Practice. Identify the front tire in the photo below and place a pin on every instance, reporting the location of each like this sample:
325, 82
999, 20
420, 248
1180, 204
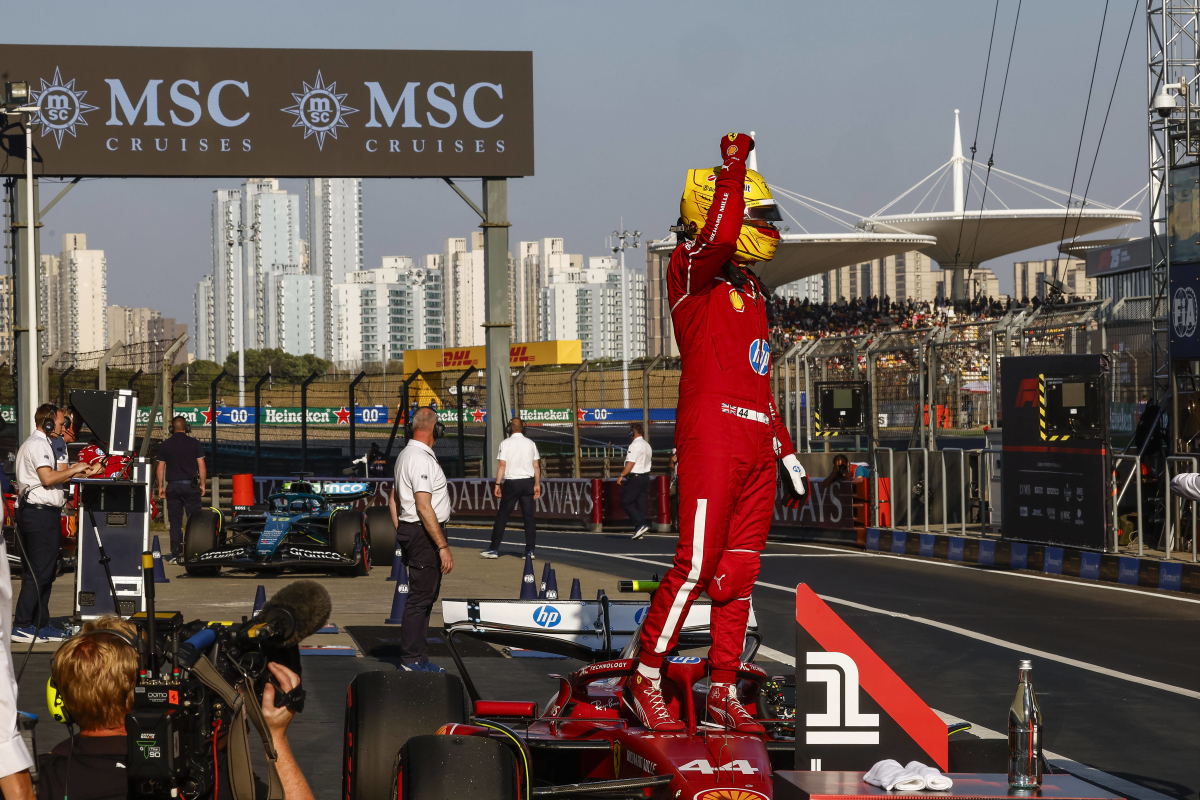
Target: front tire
381, 534
383, 711
201, 535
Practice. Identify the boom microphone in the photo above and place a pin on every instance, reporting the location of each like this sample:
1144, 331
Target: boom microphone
294, 613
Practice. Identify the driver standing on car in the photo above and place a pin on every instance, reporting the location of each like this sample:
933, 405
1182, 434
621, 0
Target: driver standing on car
728, 431
420, 506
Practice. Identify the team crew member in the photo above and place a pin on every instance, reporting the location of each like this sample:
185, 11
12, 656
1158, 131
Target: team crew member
420, 506
518, 480
728, 431
39, 523
635, 479
1186, 485
181, 479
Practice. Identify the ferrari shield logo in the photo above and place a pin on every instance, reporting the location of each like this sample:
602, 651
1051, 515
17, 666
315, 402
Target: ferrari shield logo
616, 759
736, 301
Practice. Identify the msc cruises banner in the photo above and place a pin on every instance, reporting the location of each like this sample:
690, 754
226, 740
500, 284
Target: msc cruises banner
192, 111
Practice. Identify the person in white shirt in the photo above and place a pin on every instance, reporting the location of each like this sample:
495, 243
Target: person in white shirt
518, 480
40, 480
420, 506
635, 479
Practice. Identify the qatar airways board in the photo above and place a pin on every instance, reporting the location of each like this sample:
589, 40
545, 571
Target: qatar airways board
223, 112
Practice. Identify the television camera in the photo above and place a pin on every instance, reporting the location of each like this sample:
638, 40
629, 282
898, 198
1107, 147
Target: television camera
200, 681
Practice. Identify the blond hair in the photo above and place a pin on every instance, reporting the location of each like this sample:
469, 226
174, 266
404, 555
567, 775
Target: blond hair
95, 675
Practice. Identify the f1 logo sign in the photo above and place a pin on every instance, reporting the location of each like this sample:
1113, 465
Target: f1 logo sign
837, 689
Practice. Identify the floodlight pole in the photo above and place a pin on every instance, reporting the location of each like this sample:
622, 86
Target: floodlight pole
621, 248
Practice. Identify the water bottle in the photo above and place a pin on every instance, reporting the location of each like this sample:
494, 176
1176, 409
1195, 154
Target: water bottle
1025, 734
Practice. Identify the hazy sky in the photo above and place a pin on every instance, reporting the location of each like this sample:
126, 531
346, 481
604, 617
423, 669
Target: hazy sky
852, 103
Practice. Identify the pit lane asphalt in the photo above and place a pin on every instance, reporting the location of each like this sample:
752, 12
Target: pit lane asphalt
1147, 734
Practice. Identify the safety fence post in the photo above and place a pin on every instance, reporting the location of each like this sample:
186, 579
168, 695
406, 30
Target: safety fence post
575, 413
962, 511
353, 404
258, 418
516, 390
168, 412
664, 503
62, 385
304, 420
597, 523
102, 365
891, 481
403, 411
212, 408
1136, 476
44, 383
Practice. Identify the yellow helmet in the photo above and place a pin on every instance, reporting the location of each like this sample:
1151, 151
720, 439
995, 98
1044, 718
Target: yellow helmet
758, 238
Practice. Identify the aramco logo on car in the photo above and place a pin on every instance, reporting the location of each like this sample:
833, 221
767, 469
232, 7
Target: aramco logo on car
546, 616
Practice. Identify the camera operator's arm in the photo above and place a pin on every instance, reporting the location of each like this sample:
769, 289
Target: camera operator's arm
295, 787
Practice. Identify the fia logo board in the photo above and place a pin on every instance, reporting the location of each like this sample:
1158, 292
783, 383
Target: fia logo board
852, 710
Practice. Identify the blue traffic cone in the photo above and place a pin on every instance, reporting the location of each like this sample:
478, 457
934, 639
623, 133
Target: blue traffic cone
576, 590
260, 597
545, 578
400, 598
160, 573
552, 587
396, 563
528, 589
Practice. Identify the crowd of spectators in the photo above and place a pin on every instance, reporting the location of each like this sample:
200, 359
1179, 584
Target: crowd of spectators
797, 320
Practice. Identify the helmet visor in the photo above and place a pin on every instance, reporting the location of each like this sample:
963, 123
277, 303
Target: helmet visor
768, 212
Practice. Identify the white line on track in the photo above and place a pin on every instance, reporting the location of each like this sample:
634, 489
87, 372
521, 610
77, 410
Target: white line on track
1072, 662
1004, 573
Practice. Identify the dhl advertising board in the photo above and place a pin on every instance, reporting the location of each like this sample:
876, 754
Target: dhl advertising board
565, 351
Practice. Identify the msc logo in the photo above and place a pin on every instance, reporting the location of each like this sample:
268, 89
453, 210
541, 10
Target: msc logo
62, 107
320, 110
838, 692
760, 356
546, 616
640, 614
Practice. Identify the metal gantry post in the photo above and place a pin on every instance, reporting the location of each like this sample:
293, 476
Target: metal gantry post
258, 420
102, 365
498, 326
462, 445
353, 404
304, 420
575, 414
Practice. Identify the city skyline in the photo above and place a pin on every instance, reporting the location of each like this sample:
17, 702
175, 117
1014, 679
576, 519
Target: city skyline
591, 171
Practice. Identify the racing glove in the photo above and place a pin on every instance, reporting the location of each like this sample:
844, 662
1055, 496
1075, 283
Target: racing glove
792, 481
734, 149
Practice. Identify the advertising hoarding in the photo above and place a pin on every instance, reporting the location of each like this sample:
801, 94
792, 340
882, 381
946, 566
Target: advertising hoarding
233, 112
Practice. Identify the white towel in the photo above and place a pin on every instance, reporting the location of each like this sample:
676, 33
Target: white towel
933, 779
888, 774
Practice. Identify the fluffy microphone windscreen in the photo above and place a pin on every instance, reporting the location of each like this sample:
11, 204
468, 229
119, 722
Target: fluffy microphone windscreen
310, 606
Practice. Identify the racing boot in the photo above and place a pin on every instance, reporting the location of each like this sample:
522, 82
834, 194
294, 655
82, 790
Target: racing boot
725, 711
644, 697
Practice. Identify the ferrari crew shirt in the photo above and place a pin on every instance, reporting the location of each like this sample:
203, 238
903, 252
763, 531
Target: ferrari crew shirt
34, 453
640, 454
417, 470
518, 455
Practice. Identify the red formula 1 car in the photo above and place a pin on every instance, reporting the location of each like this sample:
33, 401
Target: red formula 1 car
419, 736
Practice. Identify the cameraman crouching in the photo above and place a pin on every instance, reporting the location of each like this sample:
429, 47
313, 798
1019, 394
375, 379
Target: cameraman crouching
95, 675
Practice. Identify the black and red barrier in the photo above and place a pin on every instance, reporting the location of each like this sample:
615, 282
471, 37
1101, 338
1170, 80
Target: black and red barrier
852, 710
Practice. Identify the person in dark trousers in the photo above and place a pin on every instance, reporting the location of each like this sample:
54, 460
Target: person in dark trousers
518, 480
39, 523
420, 506
635, 480
181, 479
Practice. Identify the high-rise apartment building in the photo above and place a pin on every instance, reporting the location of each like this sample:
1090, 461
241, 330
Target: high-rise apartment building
526, 292
162, 332
335, 242
271, 234
203, 345
811, 289
466, 301
224, 293
1029, 278
73, 298
387, 310
129, 325
589, 305
906, 276
294, 313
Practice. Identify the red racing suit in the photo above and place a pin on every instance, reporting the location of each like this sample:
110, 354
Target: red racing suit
728, 434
